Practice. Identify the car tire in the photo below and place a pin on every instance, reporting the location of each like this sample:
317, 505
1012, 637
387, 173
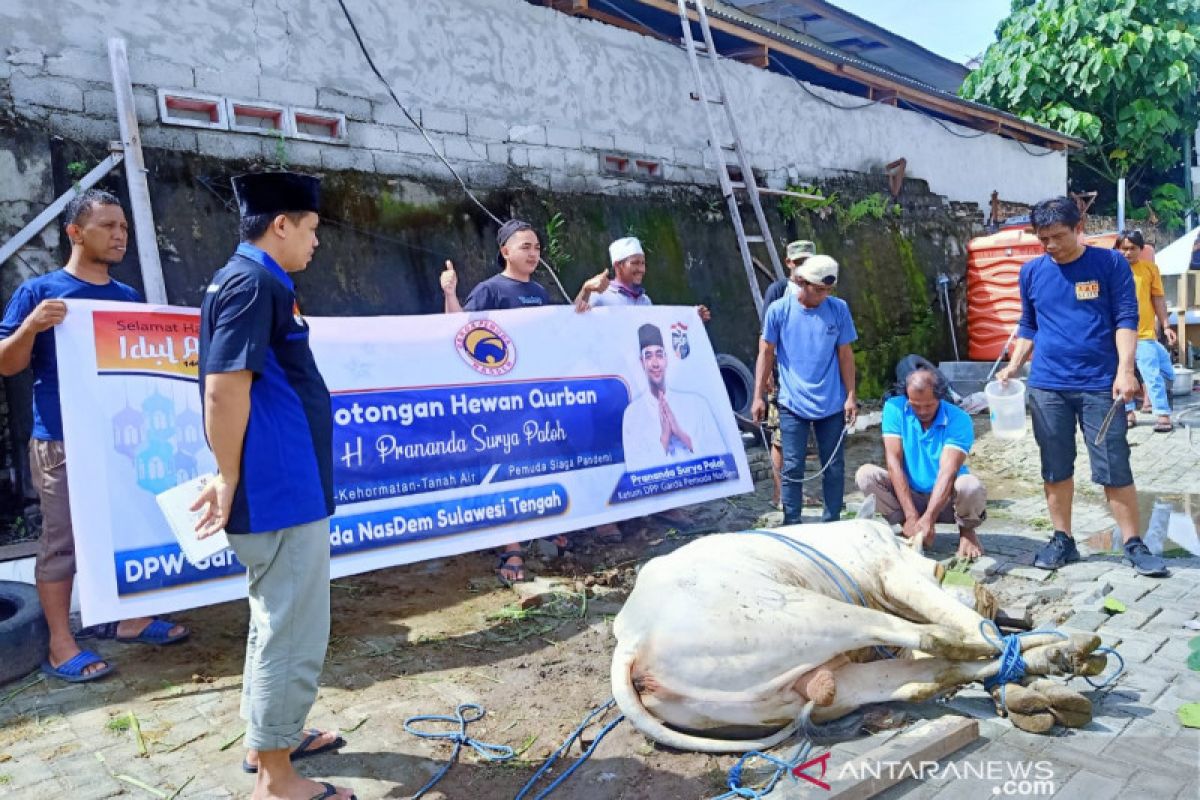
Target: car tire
739, 383
24, 637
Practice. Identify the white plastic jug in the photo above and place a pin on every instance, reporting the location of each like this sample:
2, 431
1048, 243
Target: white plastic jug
1007, 408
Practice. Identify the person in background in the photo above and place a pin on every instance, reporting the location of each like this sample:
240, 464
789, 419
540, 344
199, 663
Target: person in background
809, 336
1153, 360
519, 251
796, 254
1079, 307
625, 287
99, 234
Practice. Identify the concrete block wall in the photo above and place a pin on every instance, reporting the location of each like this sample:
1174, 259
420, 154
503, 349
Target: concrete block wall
508, 90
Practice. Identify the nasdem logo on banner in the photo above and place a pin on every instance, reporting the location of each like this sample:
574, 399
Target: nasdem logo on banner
485, 347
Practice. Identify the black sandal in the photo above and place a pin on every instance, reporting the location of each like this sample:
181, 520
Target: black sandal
502, 558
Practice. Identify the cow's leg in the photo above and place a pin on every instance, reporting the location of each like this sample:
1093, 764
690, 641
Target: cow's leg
916, 680
913, 595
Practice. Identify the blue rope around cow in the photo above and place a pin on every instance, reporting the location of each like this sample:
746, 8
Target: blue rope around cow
816, 557
1012, 665
1110, 678
488, 752
597, 712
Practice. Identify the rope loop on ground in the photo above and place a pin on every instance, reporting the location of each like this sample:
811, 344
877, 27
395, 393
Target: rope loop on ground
783, 766
464, 715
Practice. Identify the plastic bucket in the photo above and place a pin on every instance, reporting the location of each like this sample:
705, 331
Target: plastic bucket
1006, 404
1182, 386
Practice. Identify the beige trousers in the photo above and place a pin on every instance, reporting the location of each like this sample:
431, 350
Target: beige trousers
967, 506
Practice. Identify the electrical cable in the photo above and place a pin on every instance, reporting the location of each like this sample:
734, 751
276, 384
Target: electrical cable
432, 146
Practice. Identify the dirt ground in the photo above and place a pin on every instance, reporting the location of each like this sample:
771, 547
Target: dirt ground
417, 640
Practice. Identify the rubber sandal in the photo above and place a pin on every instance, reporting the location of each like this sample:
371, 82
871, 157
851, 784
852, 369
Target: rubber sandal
330, 791
72, 670
301, 750
502, 561
158, 632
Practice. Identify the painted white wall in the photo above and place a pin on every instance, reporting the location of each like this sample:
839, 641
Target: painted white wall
547, 79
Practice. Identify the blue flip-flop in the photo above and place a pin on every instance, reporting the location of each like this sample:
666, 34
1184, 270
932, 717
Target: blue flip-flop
72, 670
158, 632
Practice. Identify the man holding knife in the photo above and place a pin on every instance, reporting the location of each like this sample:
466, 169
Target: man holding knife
1078, 304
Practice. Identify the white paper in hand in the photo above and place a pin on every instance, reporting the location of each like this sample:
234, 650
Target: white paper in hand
175, 504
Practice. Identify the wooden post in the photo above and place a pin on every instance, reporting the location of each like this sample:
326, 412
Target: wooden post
1181, 297
135, 175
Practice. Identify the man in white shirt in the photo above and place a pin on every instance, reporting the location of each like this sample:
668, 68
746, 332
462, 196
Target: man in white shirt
625, 287
664, 426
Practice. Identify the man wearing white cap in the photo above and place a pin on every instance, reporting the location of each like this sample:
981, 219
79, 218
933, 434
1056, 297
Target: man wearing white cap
809, 336
625, 288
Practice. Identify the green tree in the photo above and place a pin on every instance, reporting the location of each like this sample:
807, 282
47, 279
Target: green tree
1119, 74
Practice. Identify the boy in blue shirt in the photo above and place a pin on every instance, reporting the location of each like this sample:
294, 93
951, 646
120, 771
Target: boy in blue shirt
926, 441
99, 234
809, 335
1079, 307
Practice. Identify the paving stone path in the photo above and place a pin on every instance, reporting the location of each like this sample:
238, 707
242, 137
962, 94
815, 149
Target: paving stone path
63, 741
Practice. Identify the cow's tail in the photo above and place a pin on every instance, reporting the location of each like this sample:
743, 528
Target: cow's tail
631, 706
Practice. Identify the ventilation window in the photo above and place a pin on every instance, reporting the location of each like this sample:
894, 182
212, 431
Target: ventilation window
257, 117
649, 169
319, 126
192, 110
614, 164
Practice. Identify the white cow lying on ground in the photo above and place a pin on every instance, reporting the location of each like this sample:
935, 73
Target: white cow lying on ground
723, 642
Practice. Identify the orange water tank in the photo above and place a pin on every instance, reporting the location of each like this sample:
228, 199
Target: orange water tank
993, 295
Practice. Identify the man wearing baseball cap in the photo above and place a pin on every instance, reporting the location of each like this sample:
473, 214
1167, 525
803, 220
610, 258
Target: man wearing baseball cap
797, 253
625, 288
809, 337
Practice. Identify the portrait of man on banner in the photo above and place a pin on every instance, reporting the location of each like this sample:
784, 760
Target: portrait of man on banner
662, 425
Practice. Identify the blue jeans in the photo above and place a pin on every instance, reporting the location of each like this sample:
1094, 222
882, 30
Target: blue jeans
794, 432
1154, 362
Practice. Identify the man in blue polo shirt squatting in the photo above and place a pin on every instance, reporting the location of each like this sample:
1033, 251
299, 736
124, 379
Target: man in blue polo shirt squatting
1079, 307
96, 227
268, 420
809, 334
926, 441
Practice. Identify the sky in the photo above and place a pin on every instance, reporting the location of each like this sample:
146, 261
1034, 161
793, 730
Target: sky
955, 29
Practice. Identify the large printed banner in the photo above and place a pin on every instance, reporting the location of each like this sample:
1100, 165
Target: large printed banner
452, 433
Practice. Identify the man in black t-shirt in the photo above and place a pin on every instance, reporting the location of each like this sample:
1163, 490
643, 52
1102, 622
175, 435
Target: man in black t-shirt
514, 287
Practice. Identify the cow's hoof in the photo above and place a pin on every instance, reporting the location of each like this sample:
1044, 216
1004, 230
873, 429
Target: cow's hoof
1062, 698
1095, 664
1041, 722
1018, 699
1071, 719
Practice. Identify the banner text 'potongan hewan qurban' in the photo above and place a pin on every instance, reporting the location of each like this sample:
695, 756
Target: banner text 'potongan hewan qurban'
452, 433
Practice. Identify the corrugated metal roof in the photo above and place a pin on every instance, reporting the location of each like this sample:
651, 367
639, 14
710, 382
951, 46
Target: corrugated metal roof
660, 18
854, 36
